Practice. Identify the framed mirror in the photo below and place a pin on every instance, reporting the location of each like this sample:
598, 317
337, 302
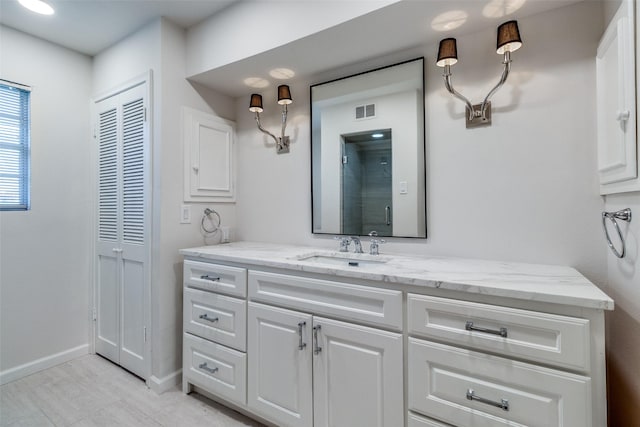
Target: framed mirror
368, 153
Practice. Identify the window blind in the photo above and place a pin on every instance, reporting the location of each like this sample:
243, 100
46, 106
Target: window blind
14, 147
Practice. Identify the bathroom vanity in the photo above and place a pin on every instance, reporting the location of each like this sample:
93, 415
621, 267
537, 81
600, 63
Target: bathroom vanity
302, 337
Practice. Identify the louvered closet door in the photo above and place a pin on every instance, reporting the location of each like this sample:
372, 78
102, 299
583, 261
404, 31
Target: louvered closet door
123, 230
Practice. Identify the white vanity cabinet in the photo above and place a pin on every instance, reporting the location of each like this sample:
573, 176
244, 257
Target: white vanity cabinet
309, 370
486, 365
214, 336
406, 342
313, 371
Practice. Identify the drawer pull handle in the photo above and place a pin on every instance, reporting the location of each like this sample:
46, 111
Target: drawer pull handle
204, 367
502, 332
503, 404
301, 345
210, 278
208, 319
317, 349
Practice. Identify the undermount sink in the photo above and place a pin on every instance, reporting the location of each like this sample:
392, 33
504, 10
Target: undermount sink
343, 259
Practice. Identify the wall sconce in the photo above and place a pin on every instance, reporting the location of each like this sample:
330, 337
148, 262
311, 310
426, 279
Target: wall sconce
508, 41
284, 99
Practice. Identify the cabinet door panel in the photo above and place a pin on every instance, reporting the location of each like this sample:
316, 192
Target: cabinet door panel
357, 376
280, 382
616, 90
107, 333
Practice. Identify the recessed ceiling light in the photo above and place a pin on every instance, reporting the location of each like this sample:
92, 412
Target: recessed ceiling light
37, 6
282, 73
377, 135
449, 20
256, 82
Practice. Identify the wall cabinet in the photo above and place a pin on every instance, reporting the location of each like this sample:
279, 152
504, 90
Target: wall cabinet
618, 152
209, 157
323, 350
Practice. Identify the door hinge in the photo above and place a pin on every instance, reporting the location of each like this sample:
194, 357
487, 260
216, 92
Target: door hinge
145, 113
145, 333
345, 160
95, 135
94, 314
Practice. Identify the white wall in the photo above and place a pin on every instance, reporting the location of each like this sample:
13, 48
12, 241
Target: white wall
160, 47
623, 324
258, 26
45, 264
524, 189
177, 92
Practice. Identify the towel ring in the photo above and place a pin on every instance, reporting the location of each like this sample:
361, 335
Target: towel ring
624, 215
207, 215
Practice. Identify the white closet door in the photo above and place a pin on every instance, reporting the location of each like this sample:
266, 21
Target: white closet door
134, 208
123, 229
107, 334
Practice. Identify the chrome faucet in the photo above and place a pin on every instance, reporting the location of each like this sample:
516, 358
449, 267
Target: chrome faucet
357, 245
344, 243
375, 243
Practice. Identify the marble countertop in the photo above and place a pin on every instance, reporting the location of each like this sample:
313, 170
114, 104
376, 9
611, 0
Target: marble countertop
532, 282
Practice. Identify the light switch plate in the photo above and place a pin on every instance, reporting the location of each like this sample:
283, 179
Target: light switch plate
403, 187
185, 214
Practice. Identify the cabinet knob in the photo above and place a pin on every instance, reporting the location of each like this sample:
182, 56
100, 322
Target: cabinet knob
623, 116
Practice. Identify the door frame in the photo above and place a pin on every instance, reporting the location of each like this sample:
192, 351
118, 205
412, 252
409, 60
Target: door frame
147, 80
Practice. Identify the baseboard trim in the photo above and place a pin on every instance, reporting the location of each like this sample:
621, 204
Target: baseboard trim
160, 385
27, 369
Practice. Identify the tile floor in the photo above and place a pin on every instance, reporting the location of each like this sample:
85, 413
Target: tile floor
91, 391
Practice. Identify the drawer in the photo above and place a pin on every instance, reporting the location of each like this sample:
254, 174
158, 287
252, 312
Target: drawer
216, 368
552, 339
216, 278
416, 420
379, 307
465, 388
216, 317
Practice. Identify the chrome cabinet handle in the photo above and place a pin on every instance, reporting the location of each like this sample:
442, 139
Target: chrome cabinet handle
317, 349
208, 319
204, 367
301, 345
210, 278
117, 250
387, 215
503, 404
502, 332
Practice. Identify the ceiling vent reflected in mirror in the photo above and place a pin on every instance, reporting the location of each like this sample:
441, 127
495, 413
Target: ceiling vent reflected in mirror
365, 111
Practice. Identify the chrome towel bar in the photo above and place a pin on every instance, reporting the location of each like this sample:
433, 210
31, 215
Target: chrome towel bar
623, 215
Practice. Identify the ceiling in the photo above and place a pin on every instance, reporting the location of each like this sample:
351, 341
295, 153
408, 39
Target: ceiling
89, 26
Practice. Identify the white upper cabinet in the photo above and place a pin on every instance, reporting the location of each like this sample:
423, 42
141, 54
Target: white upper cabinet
209, 157
616, 100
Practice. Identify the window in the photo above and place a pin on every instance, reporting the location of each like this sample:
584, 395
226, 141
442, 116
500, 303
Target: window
14, 147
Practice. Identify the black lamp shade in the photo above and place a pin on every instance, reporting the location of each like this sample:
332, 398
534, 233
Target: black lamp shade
508, 37
284, 95
256, 103
447, 52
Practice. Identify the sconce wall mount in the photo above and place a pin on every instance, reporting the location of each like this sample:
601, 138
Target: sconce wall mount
284, 99
508, 41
